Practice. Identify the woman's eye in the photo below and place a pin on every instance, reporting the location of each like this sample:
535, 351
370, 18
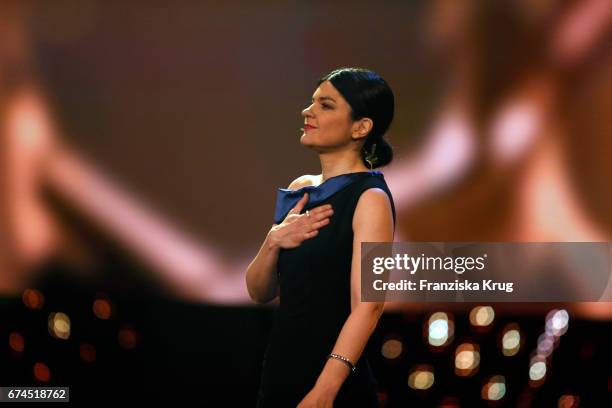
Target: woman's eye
323, 105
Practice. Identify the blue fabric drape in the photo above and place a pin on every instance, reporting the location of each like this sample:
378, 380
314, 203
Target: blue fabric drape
286, 199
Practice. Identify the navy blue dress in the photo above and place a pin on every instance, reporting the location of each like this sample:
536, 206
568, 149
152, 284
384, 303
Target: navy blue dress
315, 298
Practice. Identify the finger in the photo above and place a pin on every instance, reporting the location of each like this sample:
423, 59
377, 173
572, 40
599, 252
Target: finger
310, 234
320, 224
323, 207
300, 204
319, 215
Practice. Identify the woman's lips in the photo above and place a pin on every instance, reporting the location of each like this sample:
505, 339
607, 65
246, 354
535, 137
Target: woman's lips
308, 127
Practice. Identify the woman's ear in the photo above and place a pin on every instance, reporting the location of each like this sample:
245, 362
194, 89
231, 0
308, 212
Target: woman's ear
361, 128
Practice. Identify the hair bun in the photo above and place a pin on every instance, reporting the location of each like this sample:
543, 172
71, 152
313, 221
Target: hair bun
378, 155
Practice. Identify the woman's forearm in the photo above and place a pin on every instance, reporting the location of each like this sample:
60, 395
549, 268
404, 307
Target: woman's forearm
261, 277
350, 343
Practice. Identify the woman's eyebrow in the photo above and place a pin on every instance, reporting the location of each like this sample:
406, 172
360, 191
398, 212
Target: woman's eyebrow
322, 98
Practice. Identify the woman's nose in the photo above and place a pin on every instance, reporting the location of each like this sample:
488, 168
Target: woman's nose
306, 112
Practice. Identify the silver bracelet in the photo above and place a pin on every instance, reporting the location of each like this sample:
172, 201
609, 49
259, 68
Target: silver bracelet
344, 360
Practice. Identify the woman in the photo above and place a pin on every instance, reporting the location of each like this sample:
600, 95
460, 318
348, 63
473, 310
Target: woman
311, 256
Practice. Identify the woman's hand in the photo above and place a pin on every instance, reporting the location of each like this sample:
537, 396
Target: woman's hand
297, 227
318, 398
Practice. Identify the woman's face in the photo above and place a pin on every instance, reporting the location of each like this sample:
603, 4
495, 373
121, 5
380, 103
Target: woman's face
327, 121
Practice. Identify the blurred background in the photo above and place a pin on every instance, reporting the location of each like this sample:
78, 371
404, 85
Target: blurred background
141, 146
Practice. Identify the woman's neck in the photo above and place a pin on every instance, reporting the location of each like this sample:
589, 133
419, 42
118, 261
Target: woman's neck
337, 163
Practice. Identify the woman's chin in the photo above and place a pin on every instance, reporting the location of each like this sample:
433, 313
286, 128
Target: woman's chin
305, 140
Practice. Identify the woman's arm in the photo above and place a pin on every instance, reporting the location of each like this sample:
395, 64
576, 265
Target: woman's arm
372, 222
261, 278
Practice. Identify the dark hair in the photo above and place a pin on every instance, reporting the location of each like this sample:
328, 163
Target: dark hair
369, 97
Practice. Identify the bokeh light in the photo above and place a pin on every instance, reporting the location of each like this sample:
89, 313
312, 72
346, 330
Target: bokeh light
546, 344
467, 359
440, 329
421, 377
569, 401
33, 299
16, 342
59, 325
494, 389
392, 348
42, 372
557, 322
511, 340
127, 337
102, 307
537, 371
482, 316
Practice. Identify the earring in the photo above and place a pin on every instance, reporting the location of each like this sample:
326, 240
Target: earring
371, 158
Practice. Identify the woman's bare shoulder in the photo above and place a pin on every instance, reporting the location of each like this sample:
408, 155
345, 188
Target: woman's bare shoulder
304, 181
